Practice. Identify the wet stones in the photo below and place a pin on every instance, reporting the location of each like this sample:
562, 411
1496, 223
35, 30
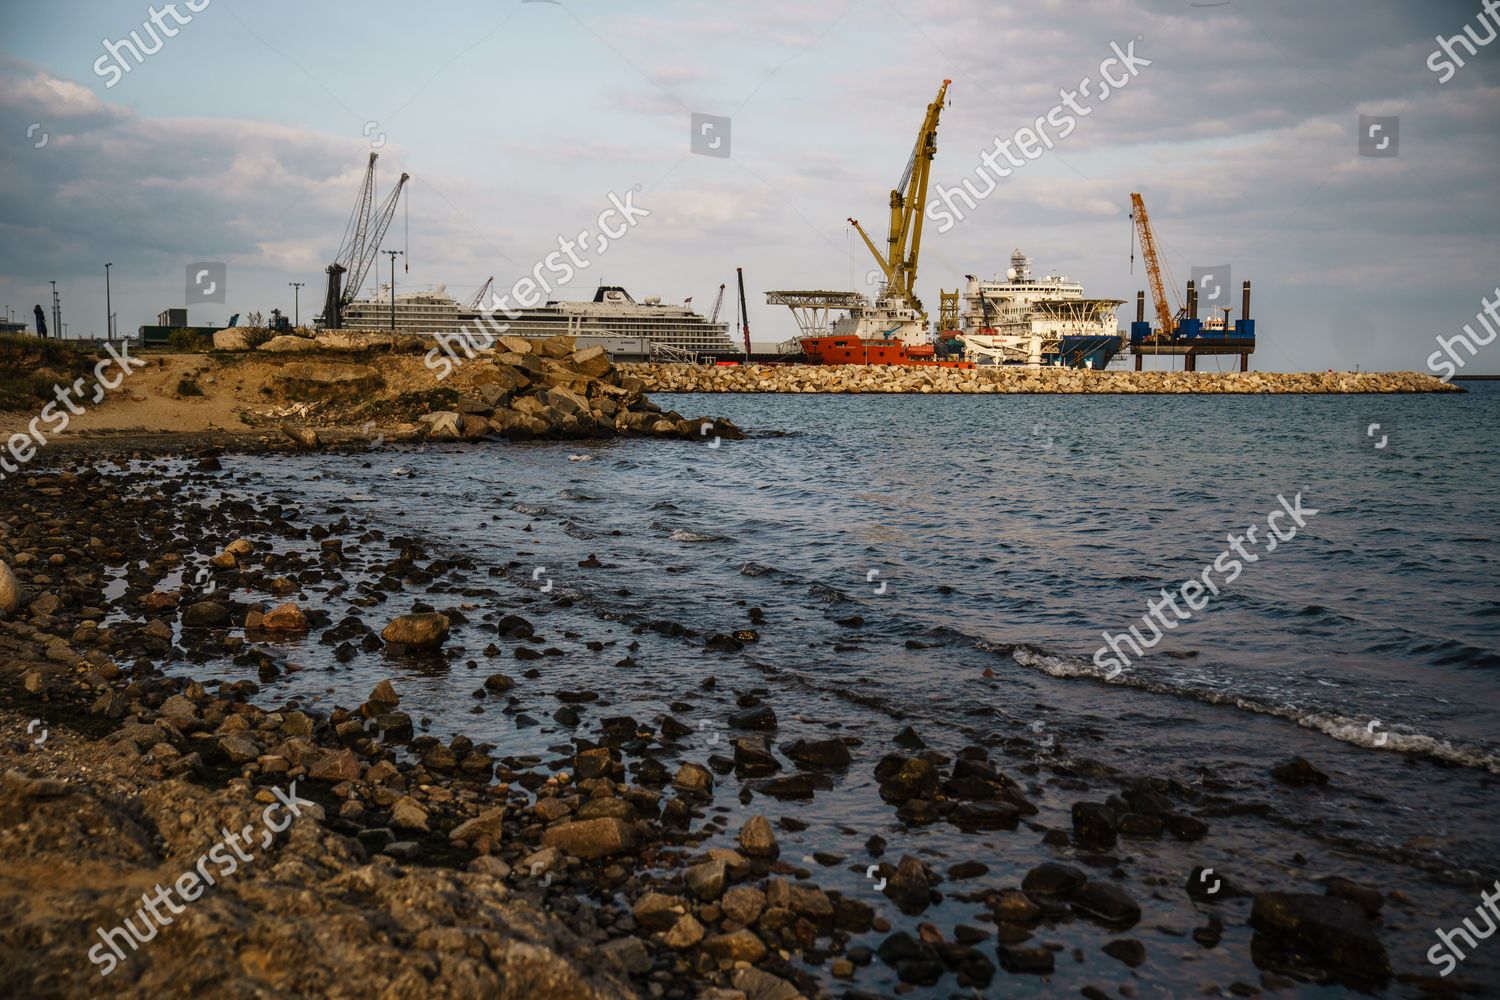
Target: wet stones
1018, 958
904, 778
1094, 825
695, 779
596, 763
831, 754
205, 614
758, 717
706, 881
335, 766
1298, 929
915, 962
737, 946
591, 838
757, 840
418, 632
753, 758
1107, 904
657, 911
1053, 880
286, 618
1298, 773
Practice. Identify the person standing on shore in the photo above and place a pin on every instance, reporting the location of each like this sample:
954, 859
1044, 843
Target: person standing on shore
41, 320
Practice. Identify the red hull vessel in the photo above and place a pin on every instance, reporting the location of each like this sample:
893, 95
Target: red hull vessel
860, 351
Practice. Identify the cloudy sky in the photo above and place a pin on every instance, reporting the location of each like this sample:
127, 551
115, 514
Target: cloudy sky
243, 139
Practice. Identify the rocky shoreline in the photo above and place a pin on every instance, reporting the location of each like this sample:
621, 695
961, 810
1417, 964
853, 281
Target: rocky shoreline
927, 379
426, 867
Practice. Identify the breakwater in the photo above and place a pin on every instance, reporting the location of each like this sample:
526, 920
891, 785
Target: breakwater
929, 379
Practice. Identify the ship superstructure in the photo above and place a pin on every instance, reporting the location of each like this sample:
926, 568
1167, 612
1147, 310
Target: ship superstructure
1035, 320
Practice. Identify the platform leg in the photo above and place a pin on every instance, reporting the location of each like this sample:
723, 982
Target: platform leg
1190, 363
1244, 362
1137, 362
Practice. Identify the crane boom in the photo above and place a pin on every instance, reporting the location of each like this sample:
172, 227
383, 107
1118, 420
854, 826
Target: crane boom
478, 296
904, 244
744, 311
381, 223
1153, 264
718, 304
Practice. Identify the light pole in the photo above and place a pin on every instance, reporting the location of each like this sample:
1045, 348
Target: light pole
57, 330
296, 313
393, 254
109, 332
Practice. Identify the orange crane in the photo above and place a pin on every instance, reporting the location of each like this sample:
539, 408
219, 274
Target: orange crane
1164, 313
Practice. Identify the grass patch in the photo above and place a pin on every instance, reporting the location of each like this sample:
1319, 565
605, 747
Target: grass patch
31, 368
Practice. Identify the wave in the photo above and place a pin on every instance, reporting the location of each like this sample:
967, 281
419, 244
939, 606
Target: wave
1365, 733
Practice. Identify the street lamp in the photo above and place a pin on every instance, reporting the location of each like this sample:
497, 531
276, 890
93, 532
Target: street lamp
393, 254
296, 313
109, 332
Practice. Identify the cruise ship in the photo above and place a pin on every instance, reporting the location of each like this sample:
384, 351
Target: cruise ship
1036, 321
612, 319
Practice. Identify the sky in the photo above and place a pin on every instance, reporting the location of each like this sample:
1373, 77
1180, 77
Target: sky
244, 137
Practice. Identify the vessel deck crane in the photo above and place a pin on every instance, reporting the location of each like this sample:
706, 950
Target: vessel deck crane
361, 244
478, 296
718, 304
904, 244
1164, 314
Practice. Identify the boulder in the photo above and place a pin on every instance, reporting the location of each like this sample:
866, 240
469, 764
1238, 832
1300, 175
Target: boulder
286, 618
205, 614
591, 838
592, 361
418, 631
1303, 928
232, 339
10, 590
441, 424
303, 437
757, 839
286, 345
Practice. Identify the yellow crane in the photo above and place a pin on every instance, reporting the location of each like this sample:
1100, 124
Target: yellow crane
899, 262
1164, 314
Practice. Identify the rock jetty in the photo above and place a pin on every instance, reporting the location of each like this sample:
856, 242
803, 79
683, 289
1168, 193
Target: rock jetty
928, 379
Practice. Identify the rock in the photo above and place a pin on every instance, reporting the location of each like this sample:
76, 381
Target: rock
1303, 928
1108, 904
908, 738
384, 695
286, 345
335, 766
628, 954
10, 590
831, 754
205, 614
757, 839
706, 881
1126, 950
1014, 906
695, 779
657, 911
743, 904
903, 778
485, 826
595, 763
303, 437
408, 814
1053, 880
232, 339
441, 424
1015, 958
179, 706
591, 838
915, 962
1208, 885
286, 618
685, 933
753, 757
1369, 899
592, 361
757, 984
1094, 825
739, 946
1298, 772
424, 631
759, 717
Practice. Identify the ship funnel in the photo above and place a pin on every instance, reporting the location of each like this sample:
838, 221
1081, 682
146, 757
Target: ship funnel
1245, 308
1140, 307
1192, 299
